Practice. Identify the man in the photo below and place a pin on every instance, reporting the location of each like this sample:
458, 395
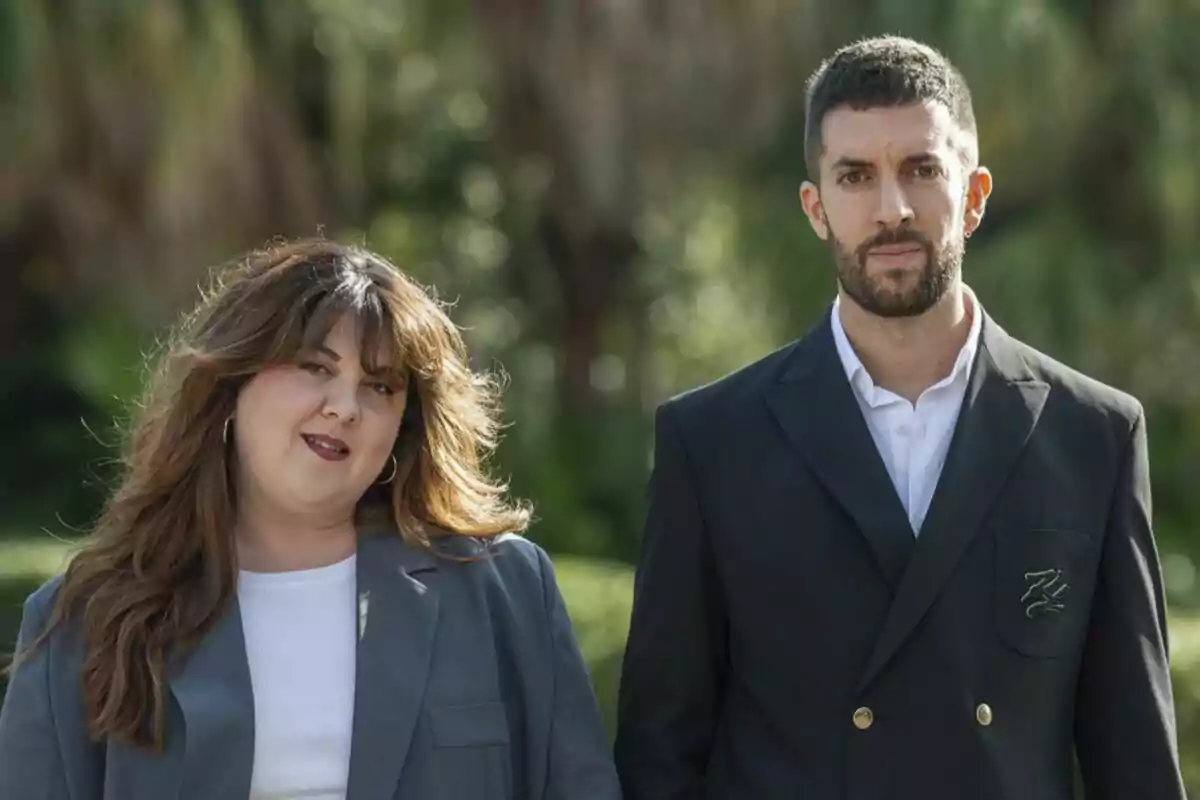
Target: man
906, 556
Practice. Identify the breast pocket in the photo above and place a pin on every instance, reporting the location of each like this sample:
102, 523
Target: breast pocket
1044, 583
472, 751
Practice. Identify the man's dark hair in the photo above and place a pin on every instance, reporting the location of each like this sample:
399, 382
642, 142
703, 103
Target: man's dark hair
884, 71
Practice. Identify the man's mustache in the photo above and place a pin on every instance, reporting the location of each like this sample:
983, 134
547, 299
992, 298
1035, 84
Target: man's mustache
893, 236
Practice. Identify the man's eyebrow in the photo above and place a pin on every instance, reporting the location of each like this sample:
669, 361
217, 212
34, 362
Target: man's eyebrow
923, 158
848, 162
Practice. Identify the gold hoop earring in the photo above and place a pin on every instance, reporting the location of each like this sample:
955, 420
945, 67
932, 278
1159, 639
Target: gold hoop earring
392, 477
225, 432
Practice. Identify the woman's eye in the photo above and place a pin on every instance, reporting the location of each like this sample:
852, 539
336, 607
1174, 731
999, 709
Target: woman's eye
383, 388
314, 368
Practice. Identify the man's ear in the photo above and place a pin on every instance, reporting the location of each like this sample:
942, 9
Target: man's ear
979, 188
810, 200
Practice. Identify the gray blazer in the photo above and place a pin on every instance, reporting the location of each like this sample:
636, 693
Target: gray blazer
470, 685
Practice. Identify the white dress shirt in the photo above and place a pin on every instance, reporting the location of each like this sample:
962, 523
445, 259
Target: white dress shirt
300, 642
912, 439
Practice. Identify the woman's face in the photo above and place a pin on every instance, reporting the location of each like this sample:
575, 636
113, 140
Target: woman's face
313, 436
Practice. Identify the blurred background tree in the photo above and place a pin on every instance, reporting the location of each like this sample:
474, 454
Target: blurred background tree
606, 191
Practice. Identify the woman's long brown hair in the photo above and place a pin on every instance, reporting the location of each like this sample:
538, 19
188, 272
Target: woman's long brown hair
160, 565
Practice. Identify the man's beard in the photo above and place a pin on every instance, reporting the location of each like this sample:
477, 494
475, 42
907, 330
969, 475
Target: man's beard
940, 270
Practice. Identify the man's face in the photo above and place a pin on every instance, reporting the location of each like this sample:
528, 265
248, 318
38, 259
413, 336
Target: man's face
895, 202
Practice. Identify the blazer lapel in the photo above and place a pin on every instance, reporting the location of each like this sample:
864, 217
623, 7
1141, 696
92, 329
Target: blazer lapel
816, 407
397, 618
999, 412
216, 699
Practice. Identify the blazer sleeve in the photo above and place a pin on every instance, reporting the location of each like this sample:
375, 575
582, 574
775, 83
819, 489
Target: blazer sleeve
580, 758
673, 670
1125, 723
31, 764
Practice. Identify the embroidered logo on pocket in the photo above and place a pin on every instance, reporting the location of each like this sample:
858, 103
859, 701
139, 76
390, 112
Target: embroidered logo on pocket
1045, 592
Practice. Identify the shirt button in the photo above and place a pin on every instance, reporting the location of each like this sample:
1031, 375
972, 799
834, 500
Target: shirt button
983, 714
864, 718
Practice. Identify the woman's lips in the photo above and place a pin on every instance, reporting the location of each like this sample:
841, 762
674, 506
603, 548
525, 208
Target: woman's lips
327, 447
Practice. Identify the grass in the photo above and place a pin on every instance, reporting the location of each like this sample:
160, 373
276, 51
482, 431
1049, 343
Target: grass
25, 560
1185, 640
598, 597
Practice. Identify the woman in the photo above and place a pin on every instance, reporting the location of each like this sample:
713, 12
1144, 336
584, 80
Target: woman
305, 586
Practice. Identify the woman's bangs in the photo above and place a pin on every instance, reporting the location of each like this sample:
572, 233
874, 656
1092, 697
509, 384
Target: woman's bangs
378, 339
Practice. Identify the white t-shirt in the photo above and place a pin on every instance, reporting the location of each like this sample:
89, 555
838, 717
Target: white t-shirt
300, 641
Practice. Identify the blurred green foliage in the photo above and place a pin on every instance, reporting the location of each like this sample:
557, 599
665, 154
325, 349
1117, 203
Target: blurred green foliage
605, 192
607, 197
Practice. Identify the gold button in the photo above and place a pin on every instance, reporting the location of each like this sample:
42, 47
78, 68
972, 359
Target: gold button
864, 718
983, 714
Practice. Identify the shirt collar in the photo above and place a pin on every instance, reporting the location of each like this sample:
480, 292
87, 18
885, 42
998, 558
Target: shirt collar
861, 380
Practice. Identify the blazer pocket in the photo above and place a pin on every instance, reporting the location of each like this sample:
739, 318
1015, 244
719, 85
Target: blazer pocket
1044, 582
472, 751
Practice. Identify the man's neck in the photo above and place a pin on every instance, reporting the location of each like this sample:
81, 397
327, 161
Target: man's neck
907, 355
